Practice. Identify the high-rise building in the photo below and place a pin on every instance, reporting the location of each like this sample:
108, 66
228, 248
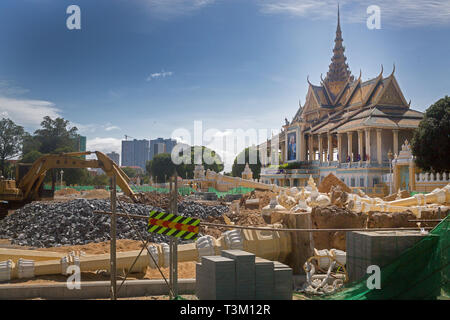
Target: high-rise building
135, 153
80, 144
161, 145
114, 156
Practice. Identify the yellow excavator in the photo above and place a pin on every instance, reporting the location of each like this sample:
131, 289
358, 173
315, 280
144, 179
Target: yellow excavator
28, 185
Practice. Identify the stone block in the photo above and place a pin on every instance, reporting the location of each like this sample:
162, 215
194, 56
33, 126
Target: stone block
244, 271
264, 281
215, 279
376, 248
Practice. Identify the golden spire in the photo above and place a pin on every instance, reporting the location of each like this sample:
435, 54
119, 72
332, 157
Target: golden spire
338, 70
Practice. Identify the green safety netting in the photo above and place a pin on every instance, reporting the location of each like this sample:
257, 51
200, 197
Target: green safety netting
420, 272
237, 190
78, 188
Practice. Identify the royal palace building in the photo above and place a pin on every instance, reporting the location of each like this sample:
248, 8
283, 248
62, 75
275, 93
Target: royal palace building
347, 127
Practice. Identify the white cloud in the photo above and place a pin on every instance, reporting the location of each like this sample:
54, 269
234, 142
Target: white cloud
28, 113
110, 128
166, 9
401, 13
92, 128
105, 145
8, 88
157, 75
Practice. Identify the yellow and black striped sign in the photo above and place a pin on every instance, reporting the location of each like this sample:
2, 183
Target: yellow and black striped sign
172, 225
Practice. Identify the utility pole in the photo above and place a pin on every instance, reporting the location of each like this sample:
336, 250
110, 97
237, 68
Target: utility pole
113, 240
173, 245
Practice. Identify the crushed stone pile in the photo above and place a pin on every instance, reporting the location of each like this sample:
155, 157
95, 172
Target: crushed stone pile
52, 224
156, 199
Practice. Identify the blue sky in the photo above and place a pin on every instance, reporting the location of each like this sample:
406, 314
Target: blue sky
146, 67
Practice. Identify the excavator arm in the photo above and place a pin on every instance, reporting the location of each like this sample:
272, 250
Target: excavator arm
30, 183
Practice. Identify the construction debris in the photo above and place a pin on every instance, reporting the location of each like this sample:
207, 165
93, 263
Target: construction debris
331, 180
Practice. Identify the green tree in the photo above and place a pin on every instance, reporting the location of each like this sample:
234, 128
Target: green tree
31, 156
130, 172
11, 138
100, 180
243, 158
199, 154
78, 176
431, 140
161, 167
55, 136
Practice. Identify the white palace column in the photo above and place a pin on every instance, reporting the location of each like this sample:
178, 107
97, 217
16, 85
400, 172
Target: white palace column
380, 160
360, 144
350, 144
339, 141
320, 147
395, 144
311, 147
330, 147
302, 145
368, 146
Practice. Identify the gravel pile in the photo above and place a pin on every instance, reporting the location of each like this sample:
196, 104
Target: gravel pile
50, 224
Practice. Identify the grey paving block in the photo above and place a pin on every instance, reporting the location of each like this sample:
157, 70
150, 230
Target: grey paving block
245, 273
283, 282
376, 248
263, 279
216, 278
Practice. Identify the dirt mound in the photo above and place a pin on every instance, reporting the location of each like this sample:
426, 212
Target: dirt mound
401, 219
330, 181
333, 217
244, 218
95, 194
67, 192
263, 196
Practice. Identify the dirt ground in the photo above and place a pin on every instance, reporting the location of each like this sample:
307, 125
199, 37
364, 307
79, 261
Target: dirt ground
186, 270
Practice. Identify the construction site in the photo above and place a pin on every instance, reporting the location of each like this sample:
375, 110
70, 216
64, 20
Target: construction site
214, 197
269, 243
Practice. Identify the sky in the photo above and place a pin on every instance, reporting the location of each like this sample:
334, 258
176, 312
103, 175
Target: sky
144, 68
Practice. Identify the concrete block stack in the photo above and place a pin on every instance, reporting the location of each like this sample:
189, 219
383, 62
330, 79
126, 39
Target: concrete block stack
264, 280
244, 273
376, 248
215, 278
240, 275
282, 281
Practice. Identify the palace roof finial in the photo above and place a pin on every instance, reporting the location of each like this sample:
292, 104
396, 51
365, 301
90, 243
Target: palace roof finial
338, 70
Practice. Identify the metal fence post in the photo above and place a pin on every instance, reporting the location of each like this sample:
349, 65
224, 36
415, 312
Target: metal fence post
113, 240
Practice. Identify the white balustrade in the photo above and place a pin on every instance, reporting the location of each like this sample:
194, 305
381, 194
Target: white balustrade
432, 177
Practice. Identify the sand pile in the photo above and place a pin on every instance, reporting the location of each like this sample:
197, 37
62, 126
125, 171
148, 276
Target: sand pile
330, 181
96, 194
67, 192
